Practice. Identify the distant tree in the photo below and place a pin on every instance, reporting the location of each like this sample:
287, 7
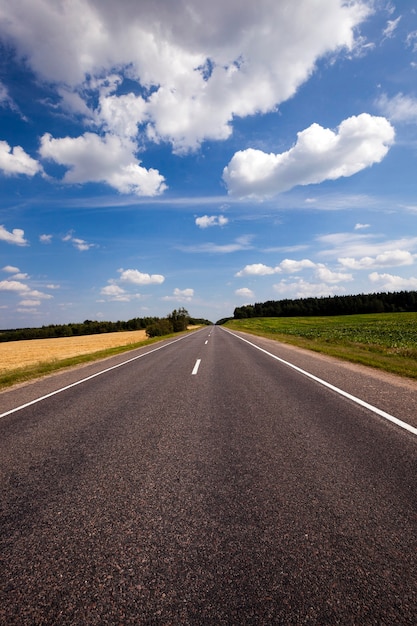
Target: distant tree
179, 319
159, 328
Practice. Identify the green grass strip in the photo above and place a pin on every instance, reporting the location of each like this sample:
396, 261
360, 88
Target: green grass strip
386, 341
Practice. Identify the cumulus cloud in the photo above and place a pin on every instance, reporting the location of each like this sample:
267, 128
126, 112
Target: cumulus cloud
140, 278
16, 236
91, 158
287, 265
290, 266
15, 161
389, 282
245, 292
13, 285
328, 276
320, 154
389, 258
129, 278
184, 293
257, 269
196, 65
181, 295
45, 238
116, 293
211, 220
342, 245
16, 286
10, 269
20, 276
304, 289
35, 293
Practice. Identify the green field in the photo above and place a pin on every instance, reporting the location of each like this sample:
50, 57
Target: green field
387, 341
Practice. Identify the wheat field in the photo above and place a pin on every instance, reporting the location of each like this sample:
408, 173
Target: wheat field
16, 354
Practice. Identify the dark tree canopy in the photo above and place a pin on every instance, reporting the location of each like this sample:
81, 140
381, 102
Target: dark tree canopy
394, 302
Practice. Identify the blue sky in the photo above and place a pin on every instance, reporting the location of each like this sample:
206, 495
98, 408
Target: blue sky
158, 154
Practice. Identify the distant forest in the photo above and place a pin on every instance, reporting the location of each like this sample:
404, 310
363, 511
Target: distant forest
395, 302
154, 326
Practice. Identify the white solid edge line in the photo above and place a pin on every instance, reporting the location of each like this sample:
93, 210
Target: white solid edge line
196, 366
83, 380
368, 406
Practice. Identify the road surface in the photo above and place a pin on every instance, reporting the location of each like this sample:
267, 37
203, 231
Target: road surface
206, 482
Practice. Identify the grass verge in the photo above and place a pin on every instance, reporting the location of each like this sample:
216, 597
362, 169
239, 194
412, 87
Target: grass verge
386, 341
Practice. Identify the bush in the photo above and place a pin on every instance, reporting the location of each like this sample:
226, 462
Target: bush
159, 328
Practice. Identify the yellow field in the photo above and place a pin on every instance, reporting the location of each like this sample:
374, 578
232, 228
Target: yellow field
15, 354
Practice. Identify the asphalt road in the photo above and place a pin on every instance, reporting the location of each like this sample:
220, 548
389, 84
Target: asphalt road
205, 482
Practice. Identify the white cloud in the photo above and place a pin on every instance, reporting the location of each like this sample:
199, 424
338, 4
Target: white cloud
23, 290
108, 159
391, 27
20, 276
30, 303
184, 293
15, 237
181, 295
78, 243
320, 154
114, 292
121, 115
287, 265
211, 220
400, 108
291, 266
13, 285
389, 282
10, 269
4, 95
81, 245
390, 258
139, 278
257, 269
245, 292
412, 40
355, 245
45, 238
16, 161
328, 276
304, 289
241, 243
34, 293
361, 226
199, 64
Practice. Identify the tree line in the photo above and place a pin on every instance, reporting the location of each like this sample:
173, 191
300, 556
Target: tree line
176, 321
394, 302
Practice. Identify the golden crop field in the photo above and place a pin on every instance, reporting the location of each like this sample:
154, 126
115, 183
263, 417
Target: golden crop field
16, 354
